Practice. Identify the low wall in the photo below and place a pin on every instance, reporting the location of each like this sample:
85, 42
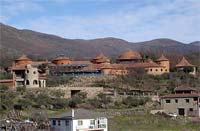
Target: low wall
91, 91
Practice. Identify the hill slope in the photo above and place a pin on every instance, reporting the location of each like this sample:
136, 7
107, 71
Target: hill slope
15, 42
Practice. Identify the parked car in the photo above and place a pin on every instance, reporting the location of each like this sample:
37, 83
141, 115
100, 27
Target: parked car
173, 114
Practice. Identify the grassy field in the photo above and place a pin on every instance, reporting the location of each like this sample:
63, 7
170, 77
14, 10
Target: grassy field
135, 122
150, 123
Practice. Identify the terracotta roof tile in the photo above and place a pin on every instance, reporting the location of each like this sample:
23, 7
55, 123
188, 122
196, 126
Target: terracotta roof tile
129, 55
162, 58
184, 63
6, 80
101, 58
181, 95
23, 57
61, 58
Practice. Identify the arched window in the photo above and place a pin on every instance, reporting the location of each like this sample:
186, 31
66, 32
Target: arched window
34, 72
35, 82
27, 82
27, 71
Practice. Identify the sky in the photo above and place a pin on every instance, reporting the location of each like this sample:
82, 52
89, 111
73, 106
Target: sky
131, 20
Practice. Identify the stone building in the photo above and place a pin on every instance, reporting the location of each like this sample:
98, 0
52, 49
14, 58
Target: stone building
185, 102
25, 73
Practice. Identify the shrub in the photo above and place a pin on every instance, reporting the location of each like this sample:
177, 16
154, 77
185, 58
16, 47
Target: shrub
77, 99
133, 102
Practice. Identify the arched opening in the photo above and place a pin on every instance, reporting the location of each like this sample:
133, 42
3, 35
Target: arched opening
27, 82
35, 82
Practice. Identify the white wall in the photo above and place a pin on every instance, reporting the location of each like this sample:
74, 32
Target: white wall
86, 124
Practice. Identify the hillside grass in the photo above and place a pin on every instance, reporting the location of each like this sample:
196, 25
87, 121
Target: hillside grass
150, 123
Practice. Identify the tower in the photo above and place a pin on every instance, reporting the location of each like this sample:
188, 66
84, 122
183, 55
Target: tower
31, 76
163, 61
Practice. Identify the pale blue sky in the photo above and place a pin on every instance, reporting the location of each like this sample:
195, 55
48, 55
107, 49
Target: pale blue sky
132, 20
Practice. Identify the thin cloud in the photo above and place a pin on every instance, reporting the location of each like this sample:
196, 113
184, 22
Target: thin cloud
136, 21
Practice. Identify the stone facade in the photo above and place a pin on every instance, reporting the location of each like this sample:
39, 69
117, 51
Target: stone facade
28, 76
31, 76
175, 105
185, 102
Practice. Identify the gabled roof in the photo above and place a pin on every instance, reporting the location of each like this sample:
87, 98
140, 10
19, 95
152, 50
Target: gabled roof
184, 63
184, 88
162, 58
23, 57
129, 55
79, 114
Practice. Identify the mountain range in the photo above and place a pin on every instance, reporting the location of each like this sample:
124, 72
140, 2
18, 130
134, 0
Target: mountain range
15, 42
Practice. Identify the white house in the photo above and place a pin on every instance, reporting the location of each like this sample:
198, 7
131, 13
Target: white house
79, 120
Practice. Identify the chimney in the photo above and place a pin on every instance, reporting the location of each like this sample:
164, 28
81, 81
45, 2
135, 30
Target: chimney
72, 112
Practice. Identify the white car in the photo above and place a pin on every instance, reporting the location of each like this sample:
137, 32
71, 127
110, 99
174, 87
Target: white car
173, 114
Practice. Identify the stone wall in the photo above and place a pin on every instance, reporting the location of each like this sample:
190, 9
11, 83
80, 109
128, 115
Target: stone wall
91, 91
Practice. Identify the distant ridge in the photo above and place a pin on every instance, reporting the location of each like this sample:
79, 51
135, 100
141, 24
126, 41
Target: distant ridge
36, 44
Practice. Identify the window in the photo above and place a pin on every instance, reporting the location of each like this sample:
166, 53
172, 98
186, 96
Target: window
66, 123
59, 122
187, 100
35, 82
195, 98
161, 69
27, 82
34, 72
27, 71
165, 69
176, 100
156, 69
54, 122
191, 109
92, 122
168, 101
80, 123
150, 69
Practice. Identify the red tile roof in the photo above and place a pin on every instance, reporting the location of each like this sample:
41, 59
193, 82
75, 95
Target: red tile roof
61, 58
181, 95
101, 58
23, 57
133, 65
184, 63
6, 80
18, 67
162, 58
129, 55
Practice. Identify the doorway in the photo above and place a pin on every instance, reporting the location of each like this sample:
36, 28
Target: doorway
181, 111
